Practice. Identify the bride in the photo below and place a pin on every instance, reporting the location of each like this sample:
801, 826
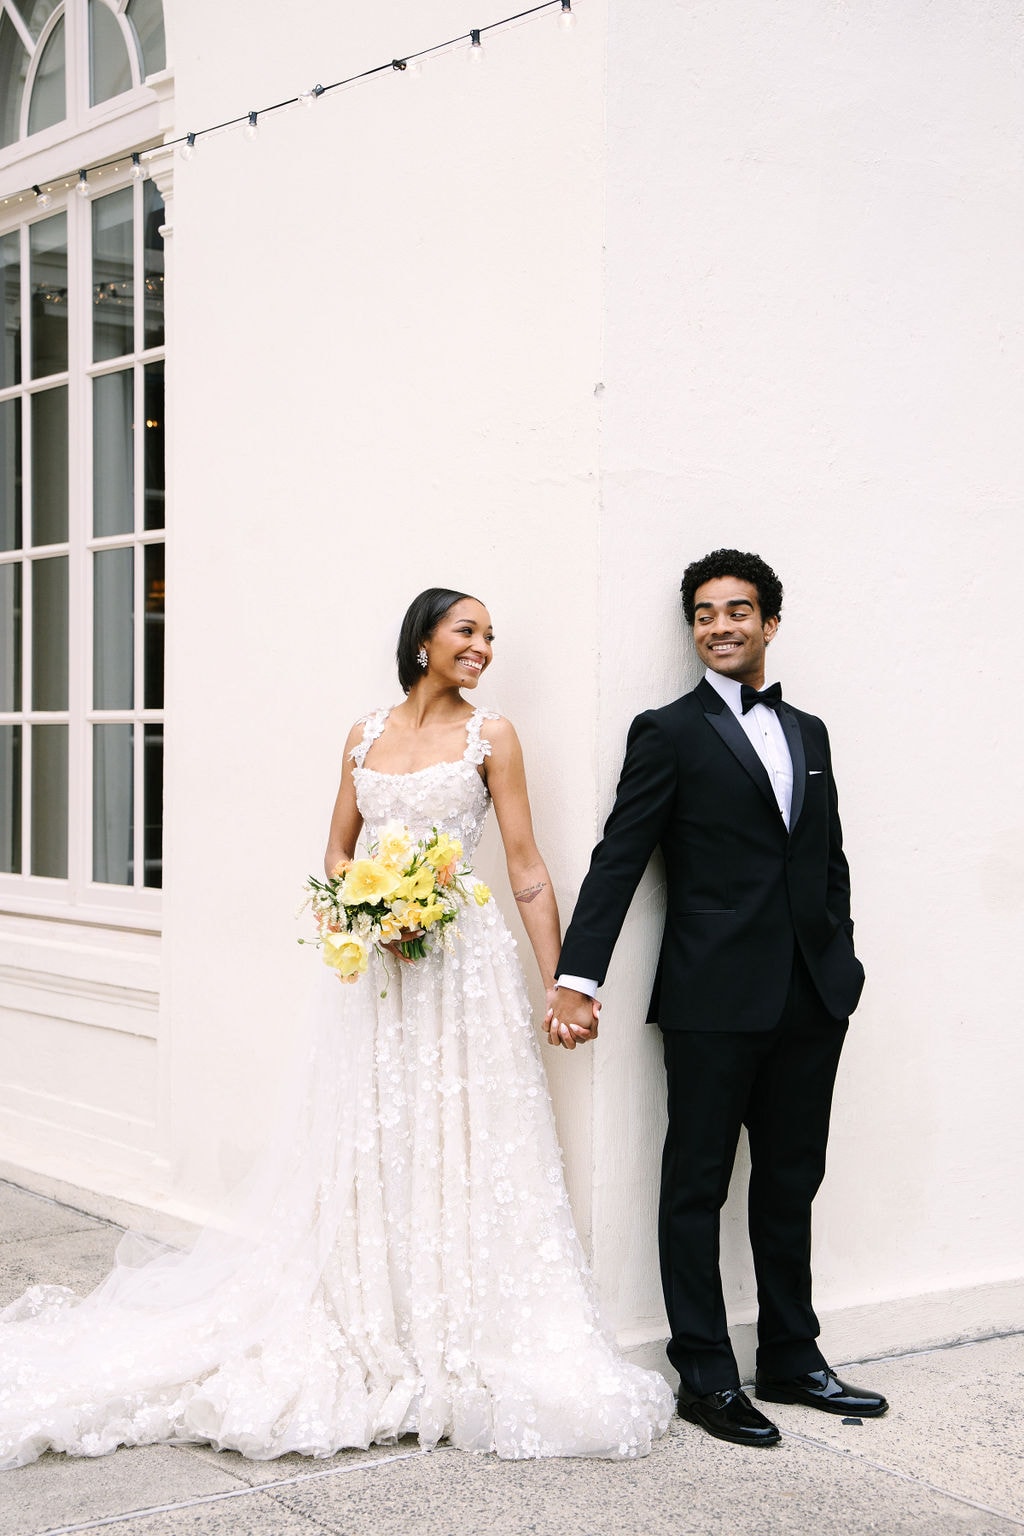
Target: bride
403, 1258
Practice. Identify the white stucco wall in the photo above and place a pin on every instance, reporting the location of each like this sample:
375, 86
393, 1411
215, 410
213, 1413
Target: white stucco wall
815, 348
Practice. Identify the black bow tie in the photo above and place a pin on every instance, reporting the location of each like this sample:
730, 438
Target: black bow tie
772, 696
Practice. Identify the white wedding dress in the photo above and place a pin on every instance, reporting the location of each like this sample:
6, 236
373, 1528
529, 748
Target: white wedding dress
404, 1258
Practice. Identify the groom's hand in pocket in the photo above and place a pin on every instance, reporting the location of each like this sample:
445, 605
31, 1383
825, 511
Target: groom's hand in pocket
572, 1018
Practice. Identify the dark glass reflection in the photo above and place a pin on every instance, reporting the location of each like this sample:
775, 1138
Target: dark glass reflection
113, 795
10, 299
113, 289
10, 799
48, 104
147, 22
13, 69
10, 474
153, 634
153, 789
113, 629
10, 638
49, 853
48, 248
110, 73
113, 453
50, 633
153, 255
153, 445
50, 465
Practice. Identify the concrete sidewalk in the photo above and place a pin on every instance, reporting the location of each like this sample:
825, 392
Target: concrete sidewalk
948, 1458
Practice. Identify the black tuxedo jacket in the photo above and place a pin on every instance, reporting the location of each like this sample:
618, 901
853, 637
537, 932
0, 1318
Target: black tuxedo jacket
742, 890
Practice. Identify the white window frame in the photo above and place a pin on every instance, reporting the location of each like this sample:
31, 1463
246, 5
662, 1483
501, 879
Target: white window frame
135, 120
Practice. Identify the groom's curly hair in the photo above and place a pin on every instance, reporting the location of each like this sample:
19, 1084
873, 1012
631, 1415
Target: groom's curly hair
745, 567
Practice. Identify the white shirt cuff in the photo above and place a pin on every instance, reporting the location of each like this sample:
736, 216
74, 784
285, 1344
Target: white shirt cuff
578, 984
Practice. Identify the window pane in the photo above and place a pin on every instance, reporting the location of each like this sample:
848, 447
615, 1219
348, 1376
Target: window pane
50, 801
153, 825
10, 298
10, 799
109, 70
153, 216
50, 466
50, 633
13, 69
153, 444
113, 629
35, 13
48, 242
47, 104
10, 474
147, 20
153, 636
10, 638
113, 292
113, 454
113, 779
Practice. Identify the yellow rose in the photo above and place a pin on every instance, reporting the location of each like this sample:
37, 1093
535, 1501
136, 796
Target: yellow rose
408, 914
431, 913
367, 880
393, 846
481, 894
446, 850
390, 929
345, 954
416, 886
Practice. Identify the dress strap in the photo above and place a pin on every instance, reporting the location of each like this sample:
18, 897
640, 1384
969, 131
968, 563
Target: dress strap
476, 747
373, 726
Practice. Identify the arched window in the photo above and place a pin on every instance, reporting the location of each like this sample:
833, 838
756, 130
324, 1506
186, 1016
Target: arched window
81, 460
60, 58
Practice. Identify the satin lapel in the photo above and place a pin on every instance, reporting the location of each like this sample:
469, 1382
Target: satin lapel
722, 720
795, 741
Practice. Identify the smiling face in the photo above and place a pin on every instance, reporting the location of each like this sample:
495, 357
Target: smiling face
728, 630
459, 650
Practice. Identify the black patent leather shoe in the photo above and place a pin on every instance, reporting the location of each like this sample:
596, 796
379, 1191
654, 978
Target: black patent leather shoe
824, 1390
728, 1416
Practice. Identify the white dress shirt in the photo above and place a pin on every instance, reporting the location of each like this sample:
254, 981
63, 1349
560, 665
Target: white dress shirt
763, 729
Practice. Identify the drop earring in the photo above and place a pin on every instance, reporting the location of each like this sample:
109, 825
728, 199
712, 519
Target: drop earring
421, 657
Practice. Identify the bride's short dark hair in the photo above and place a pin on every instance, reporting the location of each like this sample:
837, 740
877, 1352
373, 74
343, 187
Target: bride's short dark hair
422, 617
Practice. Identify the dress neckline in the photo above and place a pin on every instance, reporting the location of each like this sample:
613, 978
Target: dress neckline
474, 754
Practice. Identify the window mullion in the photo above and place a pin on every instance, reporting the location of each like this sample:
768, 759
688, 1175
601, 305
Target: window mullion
76, 46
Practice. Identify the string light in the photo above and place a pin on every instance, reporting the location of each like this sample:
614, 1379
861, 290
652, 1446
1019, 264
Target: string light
187, 143
567, 17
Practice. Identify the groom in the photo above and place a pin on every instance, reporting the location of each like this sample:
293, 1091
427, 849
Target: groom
756, 979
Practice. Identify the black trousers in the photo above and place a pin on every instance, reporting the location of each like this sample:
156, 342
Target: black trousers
778, 1083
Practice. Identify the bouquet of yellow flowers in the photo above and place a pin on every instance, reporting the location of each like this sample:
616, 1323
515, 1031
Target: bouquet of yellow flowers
402, 892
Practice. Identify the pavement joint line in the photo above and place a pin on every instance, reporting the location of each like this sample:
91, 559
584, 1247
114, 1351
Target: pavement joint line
935, 1349
237, 1493
904, 1477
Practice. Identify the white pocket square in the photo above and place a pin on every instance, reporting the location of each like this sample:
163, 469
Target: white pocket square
812, 771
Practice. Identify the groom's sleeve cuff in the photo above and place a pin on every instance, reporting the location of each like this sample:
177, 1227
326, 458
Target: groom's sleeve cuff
578, 984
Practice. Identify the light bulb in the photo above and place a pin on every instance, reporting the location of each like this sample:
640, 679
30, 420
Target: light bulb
252, 127
138, 170
82, 187
413, 68
476, 47
43, 199
188, 149
567, 16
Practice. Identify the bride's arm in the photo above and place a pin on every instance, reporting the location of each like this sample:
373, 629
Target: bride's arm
346, 821
527, 872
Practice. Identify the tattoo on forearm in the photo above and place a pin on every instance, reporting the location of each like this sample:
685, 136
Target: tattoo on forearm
529, 892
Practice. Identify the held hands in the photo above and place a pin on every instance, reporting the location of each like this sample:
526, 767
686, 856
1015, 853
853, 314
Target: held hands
571, 1018
394, 946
